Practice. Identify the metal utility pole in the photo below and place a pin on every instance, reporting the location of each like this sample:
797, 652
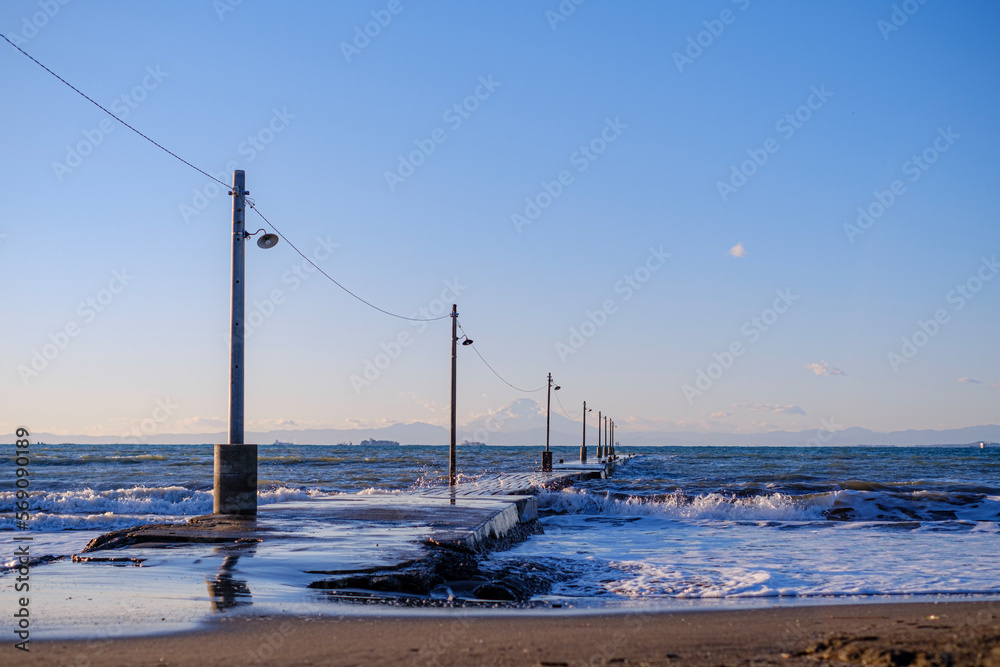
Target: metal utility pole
235, 470
238, 307
612, 438
607, 438
454, 378
548, 412
583, 443
547, 455
600, 451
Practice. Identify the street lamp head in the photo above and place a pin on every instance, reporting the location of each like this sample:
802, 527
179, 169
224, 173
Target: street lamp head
267, 241
557, 387
467, 341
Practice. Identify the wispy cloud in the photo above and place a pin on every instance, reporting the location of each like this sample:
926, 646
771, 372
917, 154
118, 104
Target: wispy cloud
271, 424
738, 250
201, 424
424, 403
823, 368
708, 424
353, 422
789, 409
968, 381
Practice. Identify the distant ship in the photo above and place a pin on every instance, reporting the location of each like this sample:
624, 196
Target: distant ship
473, 444
285, 444
379, 443
984, 445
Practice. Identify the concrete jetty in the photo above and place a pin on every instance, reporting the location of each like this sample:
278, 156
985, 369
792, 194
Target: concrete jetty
367, 544
526, 483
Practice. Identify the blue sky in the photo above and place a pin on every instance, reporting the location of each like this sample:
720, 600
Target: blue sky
819, 108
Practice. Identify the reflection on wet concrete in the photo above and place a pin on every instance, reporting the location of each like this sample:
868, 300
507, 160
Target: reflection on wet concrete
225, 591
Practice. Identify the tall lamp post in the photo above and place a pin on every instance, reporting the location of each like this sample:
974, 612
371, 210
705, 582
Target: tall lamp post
600, 450
583, 443
452, 471
547, 455
610, 450
235, 464
612, 454
607, 436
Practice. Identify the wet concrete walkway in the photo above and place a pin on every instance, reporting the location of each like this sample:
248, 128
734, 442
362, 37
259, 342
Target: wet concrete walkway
356, 544
523, 483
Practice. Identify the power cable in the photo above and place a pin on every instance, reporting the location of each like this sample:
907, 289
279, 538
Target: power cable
84, 96
564, 409
253, 207
225, 185
526, 391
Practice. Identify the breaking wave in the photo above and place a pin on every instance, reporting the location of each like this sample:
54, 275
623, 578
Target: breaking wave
88, 509
52, 460
838, 505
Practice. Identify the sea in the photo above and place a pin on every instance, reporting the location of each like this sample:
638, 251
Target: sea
674, 527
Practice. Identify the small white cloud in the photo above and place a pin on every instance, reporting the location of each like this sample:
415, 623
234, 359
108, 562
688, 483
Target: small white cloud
738, 250
823, 368
995, 385
968, 381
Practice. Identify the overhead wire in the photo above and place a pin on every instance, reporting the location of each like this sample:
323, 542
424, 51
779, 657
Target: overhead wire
473, 346
253, 207
564, 409
223, 184
89, 99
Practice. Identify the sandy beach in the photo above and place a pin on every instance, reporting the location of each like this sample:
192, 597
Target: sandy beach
949, 633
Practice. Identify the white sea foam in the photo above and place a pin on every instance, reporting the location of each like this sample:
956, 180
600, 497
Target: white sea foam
111, 509
844, 505
372, 491
656, 557
710, 506
135, 500
283, 493
648, 579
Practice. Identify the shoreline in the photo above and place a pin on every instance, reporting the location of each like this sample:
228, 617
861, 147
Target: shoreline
889, 633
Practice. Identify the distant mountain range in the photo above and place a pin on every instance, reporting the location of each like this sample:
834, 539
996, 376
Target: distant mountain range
522, 422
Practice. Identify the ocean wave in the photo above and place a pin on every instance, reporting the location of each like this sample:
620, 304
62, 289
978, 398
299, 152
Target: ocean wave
295, 460
372, 491
920, 506
839, 505
120, 458
81, 459
709, 506
134, 500
282, 493
51, 522
87, 509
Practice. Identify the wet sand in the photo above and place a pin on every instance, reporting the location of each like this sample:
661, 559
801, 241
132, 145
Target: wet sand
952, 633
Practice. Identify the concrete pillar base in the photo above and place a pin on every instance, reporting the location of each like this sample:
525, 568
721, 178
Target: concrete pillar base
235, 480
